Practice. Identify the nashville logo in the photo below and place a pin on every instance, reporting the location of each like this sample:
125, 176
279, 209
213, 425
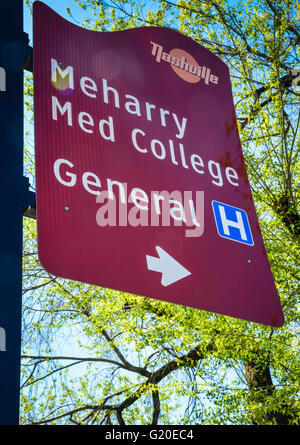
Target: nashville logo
184, 65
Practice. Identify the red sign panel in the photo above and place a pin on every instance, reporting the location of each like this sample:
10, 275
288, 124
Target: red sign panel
141, 182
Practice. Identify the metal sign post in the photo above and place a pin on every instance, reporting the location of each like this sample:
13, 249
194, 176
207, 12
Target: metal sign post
12, 45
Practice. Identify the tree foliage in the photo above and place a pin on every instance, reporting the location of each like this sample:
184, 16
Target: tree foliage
96, 356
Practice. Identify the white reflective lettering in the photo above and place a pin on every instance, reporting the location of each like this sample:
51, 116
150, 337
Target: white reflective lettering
55, 68
85, 120
86, 84
143, 197
215, 171
106, 90
231, 174
62, 109
122, 194
95, 182
226, 223
56, 169
106, 128
133, 137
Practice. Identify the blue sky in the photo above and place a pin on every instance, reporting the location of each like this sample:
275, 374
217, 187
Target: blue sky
58, 6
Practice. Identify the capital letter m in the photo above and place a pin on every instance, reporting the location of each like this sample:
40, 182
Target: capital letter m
55, 68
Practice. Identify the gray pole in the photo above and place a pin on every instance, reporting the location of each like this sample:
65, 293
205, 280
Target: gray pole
12, 49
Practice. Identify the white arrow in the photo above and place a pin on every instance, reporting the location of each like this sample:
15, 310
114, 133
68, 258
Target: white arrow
170, 269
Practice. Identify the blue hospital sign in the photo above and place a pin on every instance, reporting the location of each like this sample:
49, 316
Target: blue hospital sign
232, 223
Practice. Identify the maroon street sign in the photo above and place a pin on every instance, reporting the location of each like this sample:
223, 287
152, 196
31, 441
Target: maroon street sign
141, 182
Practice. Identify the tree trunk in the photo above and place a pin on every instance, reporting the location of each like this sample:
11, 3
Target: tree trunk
260, 384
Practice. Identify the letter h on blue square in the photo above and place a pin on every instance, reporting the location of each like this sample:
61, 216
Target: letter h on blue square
232, 223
